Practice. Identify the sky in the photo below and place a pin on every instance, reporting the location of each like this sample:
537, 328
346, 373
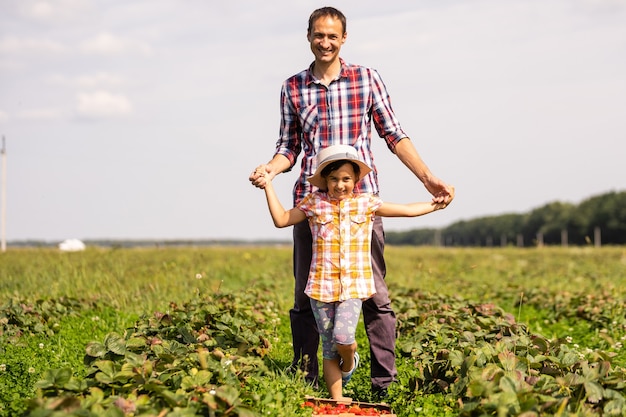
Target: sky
142, 119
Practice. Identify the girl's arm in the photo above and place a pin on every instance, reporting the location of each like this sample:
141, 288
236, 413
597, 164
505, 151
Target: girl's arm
280, 216
408, 210
412, 209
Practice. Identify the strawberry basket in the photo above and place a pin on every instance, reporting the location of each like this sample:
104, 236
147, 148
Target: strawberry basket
324, 407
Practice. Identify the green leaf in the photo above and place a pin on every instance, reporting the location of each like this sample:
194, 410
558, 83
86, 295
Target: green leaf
508, 384
96, 349
105, 367
594, 392
188, 337
614, 407
104, 378
227, 393
136, 343
113, 412
115, 343
200, 379
492, 372
508, 360
210, 400
172, 398
128, 371
245, 412
456, 358
55, 378
570, 358
76, 385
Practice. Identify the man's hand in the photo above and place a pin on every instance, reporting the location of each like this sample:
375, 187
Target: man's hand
261, 176
442, 192
265, 173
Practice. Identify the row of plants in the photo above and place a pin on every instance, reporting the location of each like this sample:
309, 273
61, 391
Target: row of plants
222, 347
493, 365
199, 358
211, 355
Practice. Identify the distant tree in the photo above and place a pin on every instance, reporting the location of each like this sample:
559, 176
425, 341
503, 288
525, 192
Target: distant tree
549, 220
417, 237
479, 231
606, 211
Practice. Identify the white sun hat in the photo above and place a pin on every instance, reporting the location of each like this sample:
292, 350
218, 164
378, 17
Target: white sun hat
336, 153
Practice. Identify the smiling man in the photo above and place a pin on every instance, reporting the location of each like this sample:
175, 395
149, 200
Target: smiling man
335, 103
326, 35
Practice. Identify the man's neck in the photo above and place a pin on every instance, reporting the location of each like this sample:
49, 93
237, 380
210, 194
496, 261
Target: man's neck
327, 72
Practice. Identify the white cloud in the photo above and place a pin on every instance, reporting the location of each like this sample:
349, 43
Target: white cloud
109, 44
52, 11
605, 5
99, 79
40, 9
4, 116
43, 114
102, 104
15, 45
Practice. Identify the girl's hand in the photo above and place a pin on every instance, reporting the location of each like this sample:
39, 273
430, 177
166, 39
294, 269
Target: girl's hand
447, 201
260, 176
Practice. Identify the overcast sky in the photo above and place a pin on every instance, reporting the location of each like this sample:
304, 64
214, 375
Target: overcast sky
142, 119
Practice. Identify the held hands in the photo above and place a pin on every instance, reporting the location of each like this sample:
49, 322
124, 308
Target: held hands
442, 200
261, 176
442, 193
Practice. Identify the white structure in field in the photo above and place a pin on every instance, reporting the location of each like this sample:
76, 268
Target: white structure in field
71, 245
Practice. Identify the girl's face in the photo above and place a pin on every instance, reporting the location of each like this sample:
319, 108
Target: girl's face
340, 182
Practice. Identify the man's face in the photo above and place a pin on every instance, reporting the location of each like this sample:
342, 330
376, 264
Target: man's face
326, 38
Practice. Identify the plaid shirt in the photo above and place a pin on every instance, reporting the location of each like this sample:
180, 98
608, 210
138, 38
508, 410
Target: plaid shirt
314, 116
341, 265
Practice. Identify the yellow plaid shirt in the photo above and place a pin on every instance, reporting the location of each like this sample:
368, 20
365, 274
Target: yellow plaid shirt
341, 266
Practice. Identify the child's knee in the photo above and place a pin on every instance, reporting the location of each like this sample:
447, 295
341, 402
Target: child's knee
346, 349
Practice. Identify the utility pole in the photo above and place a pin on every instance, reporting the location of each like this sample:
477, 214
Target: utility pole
3, 244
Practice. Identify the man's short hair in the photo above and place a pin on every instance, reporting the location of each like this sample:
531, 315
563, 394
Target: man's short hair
327, 11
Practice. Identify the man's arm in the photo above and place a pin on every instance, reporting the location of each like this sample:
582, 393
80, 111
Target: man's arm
406, 152
266, 172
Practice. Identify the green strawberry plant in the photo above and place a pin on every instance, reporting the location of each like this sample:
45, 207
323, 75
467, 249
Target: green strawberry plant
480, 355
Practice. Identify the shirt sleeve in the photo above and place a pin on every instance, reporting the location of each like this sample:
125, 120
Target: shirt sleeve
307, 204
289, 143
385, 121
374, 203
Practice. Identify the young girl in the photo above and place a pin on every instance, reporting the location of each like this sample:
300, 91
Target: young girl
340, 277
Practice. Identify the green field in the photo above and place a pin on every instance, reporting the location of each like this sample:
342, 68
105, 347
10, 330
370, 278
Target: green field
205, 331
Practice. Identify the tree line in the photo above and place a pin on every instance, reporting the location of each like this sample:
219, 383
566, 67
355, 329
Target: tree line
597, 220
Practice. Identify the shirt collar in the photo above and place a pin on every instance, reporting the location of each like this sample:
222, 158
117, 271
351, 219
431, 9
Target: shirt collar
311, 79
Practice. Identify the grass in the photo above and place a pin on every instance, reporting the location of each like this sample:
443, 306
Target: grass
544, 288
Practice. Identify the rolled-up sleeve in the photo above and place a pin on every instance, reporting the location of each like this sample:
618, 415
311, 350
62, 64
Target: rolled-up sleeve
289, 143
385, 121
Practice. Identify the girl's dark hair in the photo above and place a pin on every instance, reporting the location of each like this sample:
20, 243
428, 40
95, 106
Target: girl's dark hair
336, 164
327, 11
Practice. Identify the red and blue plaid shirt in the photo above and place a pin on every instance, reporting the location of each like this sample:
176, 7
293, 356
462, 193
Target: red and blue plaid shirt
314, 116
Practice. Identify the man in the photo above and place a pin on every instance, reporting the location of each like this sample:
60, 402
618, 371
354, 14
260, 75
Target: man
333, 103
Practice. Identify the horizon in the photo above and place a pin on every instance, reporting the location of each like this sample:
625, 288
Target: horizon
287, 240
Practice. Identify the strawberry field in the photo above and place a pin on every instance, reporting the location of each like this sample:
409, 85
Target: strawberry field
205, 332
